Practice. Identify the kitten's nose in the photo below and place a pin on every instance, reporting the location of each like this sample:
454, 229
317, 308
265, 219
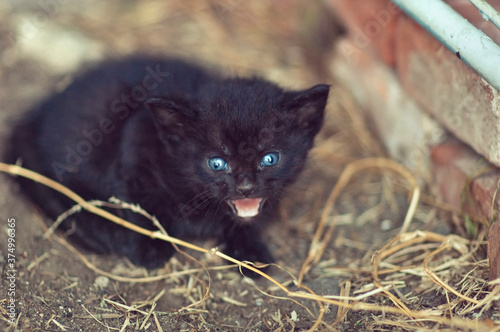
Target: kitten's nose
245, 185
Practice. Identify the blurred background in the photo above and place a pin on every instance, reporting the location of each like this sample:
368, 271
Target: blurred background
296, 44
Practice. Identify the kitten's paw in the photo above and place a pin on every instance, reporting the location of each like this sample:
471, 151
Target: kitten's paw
256, 252
151, 253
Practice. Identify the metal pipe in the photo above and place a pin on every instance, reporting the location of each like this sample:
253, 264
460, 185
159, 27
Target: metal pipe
489, 13
472, 46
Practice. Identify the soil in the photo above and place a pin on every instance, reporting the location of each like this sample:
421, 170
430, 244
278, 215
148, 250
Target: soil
58, 288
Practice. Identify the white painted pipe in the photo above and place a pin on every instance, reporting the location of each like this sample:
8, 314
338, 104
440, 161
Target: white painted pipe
461, 37
489, 13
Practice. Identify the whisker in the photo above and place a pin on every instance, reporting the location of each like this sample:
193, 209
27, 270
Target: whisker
194, 198
221, 201
186, 214
298, 188
218, 202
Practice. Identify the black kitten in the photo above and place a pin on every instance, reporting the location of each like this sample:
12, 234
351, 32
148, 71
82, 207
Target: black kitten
208, 156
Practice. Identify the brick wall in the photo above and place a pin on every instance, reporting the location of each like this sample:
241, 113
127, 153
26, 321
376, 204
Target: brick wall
435, 114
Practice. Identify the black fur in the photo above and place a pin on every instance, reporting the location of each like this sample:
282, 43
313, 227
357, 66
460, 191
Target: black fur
142, 130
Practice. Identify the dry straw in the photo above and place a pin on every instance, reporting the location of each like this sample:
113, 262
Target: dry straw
400, 245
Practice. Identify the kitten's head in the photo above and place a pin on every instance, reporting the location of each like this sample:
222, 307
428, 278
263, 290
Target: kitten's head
243, 141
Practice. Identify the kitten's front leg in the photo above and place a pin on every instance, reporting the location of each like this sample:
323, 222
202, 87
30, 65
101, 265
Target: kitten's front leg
141, 249
243, 243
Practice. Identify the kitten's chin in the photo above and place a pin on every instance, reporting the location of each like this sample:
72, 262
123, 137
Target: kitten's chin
246, 208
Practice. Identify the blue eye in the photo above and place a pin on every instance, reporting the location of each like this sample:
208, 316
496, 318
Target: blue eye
217, 164
270, 159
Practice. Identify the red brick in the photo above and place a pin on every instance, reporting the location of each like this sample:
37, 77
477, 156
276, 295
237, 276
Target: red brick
448, 177
448, 89
494, 250
464, 179
406, 131
370, 25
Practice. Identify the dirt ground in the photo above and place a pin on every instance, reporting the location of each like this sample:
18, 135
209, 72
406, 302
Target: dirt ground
341, 263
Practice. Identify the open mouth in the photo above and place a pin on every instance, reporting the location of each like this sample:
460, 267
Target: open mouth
246, 208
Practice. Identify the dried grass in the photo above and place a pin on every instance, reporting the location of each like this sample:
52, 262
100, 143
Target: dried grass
400, 249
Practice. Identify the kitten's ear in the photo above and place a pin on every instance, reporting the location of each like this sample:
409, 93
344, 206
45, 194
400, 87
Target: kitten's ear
172, 115
171, 111
307, 107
